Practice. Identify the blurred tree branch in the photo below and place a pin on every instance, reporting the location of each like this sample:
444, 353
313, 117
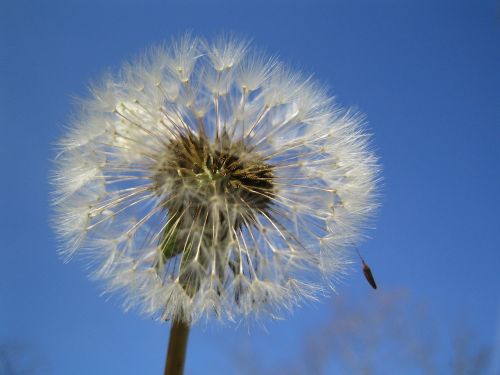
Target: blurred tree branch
386, 334
18, 358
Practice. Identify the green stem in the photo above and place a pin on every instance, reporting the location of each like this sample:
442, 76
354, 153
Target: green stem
177, 345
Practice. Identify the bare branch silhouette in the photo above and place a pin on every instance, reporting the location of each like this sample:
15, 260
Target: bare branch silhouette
387, 333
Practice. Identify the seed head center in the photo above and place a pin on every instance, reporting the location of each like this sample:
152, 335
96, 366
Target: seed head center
198, 171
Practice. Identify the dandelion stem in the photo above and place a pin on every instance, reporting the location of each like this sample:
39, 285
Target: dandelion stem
177, 345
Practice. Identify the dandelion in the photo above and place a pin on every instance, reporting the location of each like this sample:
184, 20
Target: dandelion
206, 179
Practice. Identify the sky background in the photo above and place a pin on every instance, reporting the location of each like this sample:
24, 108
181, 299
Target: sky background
425, 73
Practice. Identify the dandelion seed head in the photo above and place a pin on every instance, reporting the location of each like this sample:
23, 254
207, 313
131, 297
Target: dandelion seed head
206, 179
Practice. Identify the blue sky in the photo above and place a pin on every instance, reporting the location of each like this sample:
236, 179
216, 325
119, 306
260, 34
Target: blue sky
425, 73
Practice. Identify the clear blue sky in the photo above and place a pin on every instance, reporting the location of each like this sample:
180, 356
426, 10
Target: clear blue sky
426, 74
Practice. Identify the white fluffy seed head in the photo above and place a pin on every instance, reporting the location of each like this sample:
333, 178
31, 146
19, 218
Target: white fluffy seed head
206, 179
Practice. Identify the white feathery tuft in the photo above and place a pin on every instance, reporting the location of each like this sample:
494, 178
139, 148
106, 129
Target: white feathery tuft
207, 179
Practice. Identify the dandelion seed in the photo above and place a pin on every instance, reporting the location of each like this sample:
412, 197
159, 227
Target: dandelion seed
367, 271
208, 180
